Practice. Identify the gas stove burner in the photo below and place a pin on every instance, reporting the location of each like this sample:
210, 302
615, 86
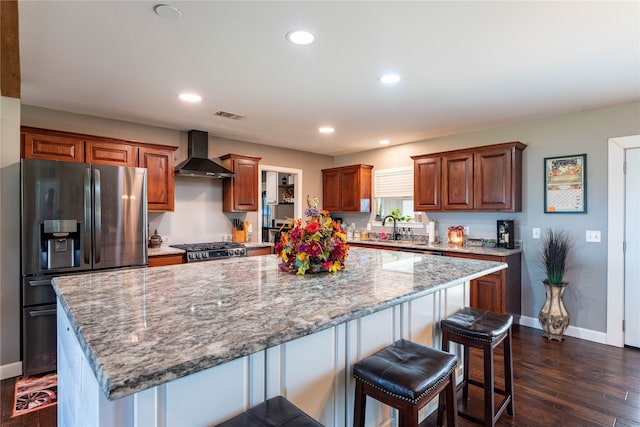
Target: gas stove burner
213, 250
209, 246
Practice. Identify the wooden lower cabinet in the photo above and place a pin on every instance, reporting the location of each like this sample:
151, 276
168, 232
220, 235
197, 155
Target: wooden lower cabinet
262, 250
160, 260
499, 291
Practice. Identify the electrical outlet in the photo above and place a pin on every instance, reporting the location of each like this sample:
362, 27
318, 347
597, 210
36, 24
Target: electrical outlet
466, 230
536, 233
593, 236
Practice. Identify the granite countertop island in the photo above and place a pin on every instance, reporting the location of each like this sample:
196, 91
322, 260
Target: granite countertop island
141, 328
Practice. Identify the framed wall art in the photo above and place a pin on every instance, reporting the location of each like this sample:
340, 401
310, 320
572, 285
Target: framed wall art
565, 184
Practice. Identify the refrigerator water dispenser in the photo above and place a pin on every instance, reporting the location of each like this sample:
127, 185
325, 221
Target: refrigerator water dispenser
62, 237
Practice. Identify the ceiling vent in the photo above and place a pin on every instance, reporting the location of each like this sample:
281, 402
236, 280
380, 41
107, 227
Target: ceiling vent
228, 115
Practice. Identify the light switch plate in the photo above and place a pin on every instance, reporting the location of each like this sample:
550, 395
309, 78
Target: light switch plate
536, 233
593, 236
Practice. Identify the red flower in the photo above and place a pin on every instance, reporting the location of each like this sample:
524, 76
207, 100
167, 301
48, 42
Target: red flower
313, 226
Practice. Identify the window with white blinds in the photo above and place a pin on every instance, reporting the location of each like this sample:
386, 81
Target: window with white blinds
396, 182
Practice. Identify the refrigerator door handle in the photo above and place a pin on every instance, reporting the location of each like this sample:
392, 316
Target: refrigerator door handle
87, 216
98, 215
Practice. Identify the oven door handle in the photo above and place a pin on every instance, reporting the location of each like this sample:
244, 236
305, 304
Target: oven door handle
39, 313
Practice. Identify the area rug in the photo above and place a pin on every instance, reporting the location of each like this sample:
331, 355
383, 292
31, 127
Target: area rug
35, 392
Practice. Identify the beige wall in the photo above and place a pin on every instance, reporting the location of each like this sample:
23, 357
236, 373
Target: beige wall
575, 133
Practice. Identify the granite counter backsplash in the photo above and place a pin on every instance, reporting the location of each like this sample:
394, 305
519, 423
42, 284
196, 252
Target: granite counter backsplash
143, 327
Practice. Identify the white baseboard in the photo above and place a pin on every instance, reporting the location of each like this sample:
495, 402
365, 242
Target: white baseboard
572, 331
11, 370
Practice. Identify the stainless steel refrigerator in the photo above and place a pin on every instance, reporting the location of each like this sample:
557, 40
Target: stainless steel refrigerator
76, 217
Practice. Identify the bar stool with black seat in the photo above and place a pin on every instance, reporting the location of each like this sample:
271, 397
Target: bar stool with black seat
476, 328
274, 412
406, 376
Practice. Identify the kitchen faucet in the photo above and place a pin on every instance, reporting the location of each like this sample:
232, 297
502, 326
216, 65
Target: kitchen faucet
395, 228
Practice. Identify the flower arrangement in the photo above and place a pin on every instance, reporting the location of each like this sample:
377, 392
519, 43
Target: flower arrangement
313, 246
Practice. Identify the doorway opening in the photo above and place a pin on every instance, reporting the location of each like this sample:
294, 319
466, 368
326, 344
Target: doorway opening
616, 238
281, 199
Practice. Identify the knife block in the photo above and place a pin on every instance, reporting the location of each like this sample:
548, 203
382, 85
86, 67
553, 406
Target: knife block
238, 236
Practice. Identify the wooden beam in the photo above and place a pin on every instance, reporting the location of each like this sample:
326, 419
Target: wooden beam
9, 49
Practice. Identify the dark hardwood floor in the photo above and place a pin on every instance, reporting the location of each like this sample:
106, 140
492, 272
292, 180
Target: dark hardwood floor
568, 383
46, 417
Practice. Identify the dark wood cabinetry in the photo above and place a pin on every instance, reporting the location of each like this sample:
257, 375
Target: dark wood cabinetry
499, 291
52, 147
240, 194
498, 178
426, 184
48, 144
260, 250
487, 178
160, 260
457, 178
347, 188
108, 153
160, 178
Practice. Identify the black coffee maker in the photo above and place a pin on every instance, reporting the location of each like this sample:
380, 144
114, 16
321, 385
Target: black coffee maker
506, 234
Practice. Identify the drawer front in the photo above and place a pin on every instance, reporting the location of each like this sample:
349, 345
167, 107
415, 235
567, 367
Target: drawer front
37, 290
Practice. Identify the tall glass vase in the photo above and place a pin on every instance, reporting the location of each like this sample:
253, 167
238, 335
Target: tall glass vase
554, 317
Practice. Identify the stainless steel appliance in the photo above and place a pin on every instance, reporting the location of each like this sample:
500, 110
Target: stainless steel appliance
76, 217
209, 251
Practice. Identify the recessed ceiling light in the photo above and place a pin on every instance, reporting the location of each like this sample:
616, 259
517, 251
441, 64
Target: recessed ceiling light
326, 129
300, 37
190, 97
384, 142
167, 12
390, 79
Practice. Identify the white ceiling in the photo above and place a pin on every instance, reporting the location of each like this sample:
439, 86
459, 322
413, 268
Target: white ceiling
464, 65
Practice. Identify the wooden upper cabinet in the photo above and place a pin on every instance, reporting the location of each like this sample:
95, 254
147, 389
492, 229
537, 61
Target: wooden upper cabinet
52, 147
49, 144
160, 177
109, 153
426, 184
347, 188
457, 181
498, 178
487, 178
240, 194
331, 190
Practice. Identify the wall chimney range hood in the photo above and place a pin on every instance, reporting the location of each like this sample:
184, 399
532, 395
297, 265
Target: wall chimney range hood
198, 163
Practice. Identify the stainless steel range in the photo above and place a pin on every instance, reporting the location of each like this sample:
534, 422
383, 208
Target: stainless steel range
209, 251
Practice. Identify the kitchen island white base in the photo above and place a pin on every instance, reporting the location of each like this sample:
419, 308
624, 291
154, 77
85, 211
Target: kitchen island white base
313, 372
